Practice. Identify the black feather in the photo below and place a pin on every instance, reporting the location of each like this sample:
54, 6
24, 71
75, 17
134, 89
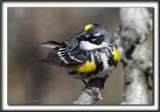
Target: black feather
64, 53
54, 43
53, 59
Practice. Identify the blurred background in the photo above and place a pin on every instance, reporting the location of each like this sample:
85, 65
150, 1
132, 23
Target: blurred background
31, 82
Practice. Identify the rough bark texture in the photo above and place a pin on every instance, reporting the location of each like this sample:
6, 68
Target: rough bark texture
91, 93
135, 54
135, 24
89, 96
136, 90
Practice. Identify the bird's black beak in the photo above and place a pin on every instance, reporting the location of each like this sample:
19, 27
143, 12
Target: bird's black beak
81, 35
81, 38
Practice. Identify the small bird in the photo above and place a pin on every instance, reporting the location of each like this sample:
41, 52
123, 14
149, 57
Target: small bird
91, 53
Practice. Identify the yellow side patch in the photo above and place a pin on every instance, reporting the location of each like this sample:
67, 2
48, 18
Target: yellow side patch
85, 67
87, 27
116, 55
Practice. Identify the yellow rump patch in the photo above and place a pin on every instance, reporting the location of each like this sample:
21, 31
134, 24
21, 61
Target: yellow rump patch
87, 27
116, 55
85, 67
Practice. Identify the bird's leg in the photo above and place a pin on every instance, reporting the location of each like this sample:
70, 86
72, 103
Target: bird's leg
84, 81
86, 84
104, 80
105, 77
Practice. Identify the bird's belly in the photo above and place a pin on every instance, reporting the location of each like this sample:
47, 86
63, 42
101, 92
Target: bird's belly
88, 66
102, 73
88, 75
98, 67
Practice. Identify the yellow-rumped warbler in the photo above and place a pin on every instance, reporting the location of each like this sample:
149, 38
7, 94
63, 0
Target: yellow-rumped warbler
90, 53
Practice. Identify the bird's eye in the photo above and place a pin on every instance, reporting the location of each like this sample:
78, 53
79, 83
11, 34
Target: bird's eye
93, 39
97, 34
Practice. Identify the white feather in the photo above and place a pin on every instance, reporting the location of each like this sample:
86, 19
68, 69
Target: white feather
87, 36
73, 58
85, 45
49, 45
92, 57
61, 57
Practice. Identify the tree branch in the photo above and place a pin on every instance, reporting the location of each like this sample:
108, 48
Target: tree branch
91, 93
89, 96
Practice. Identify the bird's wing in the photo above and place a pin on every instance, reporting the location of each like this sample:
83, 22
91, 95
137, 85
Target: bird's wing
71, 53
65, 53
53, 58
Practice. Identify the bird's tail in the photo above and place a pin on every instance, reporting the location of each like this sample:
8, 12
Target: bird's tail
53, 58
52, 44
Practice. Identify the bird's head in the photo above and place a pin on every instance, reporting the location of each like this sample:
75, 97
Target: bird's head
94, 36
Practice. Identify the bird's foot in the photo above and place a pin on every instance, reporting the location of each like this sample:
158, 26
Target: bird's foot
95, 82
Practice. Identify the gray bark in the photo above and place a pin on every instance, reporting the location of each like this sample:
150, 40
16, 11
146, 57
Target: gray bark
89, 96
135, 24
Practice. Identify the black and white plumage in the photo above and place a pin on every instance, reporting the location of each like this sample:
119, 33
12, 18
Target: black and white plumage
90, 53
